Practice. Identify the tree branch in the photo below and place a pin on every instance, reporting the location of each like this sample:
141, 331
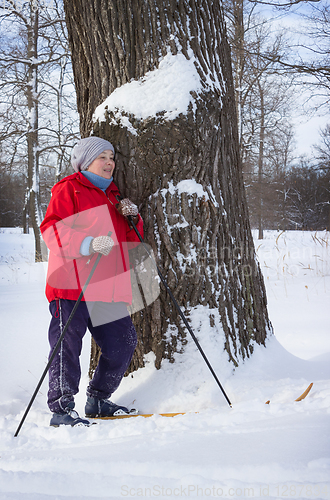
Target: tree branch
285, 4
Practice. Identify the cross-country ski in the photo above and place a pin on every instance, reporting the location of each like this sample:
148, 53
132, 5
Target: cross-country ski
302, 396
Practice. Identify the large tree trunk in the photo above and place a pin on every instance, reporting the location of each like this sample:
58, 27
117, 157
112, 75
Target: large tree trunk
201, 236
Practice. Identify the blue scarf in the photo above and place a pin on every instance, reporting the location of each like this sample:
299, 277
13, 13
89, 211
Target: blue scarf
97, 180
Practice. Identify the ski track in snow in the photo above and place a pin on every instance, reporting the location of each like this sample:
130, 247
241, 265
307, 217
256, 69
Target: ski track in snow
252, 450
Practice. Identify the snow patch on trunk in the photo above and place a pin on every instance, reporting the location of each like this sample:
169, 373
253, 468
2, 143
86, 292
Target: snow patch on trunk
166, 89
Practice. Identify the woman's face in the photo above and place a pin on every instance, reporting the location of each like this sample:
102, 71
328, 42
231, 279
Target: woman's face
103, 165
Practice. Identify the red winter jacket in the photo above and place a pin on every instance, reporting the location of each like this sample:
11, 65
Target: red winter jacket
78, 209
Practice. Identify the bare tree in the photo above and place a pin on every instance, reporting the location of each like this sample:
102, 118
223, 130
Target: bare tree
308, 195
265, 68
28, 59
282, 4
200, 236
237, 19
262, 96
312, 62
322, 149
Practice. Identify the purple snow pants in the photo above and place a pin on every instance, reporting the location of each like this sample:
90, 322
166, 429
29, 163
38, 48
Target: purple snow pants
116, 339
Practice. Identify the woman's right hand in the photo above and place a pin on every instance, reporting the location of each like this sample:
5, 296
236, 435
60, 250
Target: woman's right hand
127, 208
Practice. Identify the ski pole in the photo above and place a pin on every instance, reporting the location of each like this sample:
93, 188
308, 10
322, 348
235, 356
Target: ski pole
57, 346
184, 319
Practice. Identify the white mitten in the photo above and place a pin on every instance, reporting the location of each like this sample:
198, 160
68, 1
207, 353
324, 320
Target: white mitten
127, 208
102, 244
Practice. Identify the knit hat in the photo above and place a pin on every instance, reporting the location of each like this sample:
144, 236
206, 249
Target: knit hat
86, 150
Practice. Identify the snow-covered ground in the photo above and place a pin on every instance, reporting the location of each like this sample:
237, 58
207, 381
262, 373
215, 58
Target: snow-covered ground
252, 450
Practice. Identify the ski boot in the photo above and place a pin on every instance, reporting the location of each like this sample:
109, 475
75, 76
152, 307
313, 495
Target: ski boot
105, 408
69, 417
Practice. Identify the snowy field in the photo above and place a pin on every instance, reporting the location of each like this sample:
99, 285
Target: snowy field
252, 450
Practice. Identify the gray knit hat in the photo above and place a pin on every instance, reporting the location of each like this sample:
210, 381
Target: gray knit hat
86, 150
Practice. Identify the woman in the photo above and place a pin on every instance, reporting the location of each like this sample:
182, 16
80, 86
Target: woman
85, 218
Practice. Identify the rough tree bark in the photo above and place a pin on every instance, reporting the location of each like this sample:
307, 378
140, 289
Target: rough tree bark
202, 241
